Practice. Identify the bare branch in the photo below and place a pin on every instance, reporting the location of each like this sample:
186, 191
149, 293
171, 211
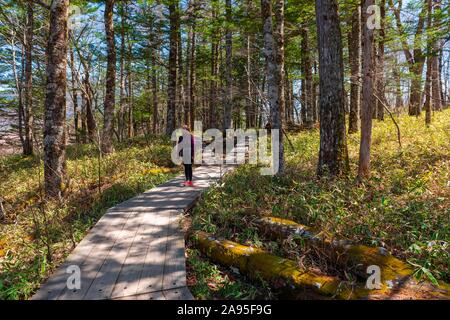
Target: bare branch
42, 4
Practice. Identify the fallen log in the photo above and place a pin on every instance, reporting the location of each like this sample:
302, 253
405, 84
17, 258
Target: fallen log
394, 273
284, 274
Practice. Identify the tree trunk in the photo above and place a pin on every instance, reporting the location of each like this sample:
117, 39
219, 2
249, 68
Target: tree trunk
428, 81
249, 103
380, 81
436, 90
367, 96
74, 96
122, 101
288, 109
29, 112
428, 92
182, 110
417, 69
19, 89
307, 74
131, 122
149, 68
228, 107
154, 57
110, 101
303, 97
415, 91
398, 87
214, 83
90, 119
273, 77
354, 51
252, 70
415, 60
155, 97
172, 87
374, 76
435, 83
83, 131
279, 49
333, 155
192, 75
315, 89
2, 211
55, 100
215, 38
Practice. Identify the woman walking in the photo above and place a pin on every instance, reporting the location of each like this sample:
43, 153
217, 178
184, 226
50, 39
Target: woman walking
189, 160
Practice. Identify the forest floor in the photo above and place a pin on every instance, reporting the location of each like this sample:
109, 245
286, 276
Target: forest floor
36, 236
404, 207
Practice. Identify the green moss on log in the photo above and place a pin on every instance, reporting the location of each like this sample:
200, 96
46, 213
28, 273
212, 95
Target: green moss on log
394, 272
257, 263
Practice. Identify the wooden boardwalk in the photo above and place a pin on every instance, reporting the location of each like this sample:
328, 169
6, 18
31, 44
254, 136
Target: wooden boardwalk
136, 251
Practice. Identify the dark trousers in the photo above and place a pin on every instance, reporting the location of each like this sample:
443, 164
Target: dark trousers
188, 171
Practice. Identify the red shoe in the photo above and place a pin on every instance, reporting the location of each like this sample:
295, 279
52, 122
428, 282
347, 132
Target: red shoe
189, 184
186, 183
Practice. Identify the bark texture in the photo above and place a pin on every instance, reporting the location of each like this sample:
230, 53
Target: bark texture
55, 100
29, 112
308, 80
273, 78
333, 155
367, 97
228, 101
110, 100
354, 51
380, 81
172, 88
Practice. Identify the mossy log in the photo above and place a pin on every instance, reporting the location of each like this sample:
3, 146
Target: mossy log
283, 274
394, 273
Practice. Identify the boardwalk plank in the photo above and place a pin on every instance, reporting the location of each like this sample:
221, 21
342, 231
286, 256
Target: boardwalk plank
178, 294
175, 262
151, 233
136, 250
94, 261
57, 283
106, 277
153, 270
159, 295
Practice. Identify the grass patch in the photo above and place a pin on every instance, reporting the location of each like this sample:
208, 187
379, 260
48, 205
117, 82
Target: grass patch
36, 236
208, 281
404, 207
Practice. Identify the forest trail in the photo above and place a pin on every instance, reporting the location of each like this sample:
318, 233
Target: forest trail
136, 250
